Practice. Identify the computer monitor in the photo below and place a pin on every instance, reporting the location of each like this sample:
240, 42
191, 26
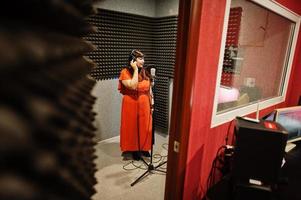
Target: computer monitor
290, 119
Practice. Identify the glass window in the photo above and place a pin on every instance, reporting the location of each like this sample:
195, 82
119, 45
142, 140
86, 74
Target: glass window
258, 44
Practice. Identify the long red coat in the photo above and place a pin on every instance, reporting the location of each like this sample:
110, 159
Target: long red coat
136, 120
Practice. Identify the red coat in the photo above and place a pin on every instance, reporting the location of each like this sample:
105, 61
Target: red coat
136, 119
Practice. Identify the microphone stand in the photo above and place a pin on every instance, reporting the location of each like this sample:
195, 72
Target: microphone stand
150, 166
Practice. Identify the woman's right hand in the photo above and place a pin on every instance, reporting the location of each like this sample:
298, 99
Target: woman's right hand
134, 65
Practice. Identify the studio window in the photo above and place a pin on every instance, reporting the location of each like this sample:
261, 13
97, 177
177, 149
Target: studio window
256, 55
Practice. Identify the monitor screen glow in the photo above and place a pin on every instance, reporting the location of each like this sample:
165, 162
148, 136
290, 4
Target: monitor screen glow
290, 119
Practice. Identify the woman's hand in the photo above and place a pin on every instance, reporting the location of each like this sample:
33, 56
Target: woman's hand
134, 65
132, 83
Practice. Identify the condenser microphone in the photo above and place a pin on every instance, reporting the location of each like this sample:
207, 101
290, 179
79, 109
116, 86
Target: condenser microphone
153, 72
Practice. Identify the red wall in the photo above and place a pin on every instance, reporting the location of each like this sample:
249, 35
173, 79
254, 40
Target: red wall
294, 5
203, 140
295, 89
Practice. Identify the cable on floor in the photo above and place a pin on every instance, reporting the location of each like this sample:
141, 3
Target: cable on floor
156, 159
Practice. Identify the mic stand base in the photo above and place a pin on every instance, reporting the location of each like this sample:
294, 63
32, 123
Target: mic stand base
150, 169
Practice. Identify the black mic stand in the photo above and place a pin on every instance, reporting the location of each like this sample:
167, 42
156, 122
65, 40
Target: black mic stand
150, 166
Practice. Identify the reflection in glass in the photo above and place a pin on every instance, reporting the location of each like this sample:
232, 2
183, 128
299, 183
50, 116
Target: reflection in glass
256, 52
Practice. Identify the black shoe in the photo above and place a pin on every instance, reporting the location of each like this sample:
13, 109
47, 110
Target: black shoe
126, 155
136, 155
145, 153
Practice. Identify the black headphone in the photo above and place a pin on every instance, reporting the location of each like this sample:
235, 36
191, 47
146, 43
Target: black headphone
132, 56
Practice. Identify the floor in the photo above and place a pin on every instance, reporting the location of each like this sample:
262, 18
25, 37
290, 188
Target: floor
116, 173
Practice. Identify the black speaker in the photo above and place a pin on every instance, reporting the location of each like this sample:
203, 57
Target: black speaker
259, 150
299, 102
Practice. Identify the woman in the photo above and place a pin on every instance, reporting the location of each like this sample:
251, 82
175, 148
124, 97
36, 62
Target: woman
136, 120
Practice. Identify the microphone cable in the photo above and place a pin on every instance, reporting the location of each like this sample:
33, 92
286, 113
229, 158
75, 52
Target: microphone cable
132, 165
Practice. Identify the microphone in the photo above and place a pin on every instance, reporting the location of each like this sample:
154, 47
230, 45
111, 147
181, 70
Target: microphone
153, 76
153, 72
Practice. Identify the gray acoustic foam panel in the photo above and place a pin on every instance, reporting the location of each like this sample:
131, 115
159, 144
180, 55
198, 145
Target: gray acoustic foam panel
46, 130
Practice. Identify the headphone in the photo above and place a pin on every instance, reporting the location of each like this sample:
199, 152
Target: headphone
132, 56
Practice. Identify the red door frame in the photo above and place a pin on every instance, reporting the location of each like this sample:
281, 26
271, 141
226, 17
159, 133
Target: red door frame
186, 56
